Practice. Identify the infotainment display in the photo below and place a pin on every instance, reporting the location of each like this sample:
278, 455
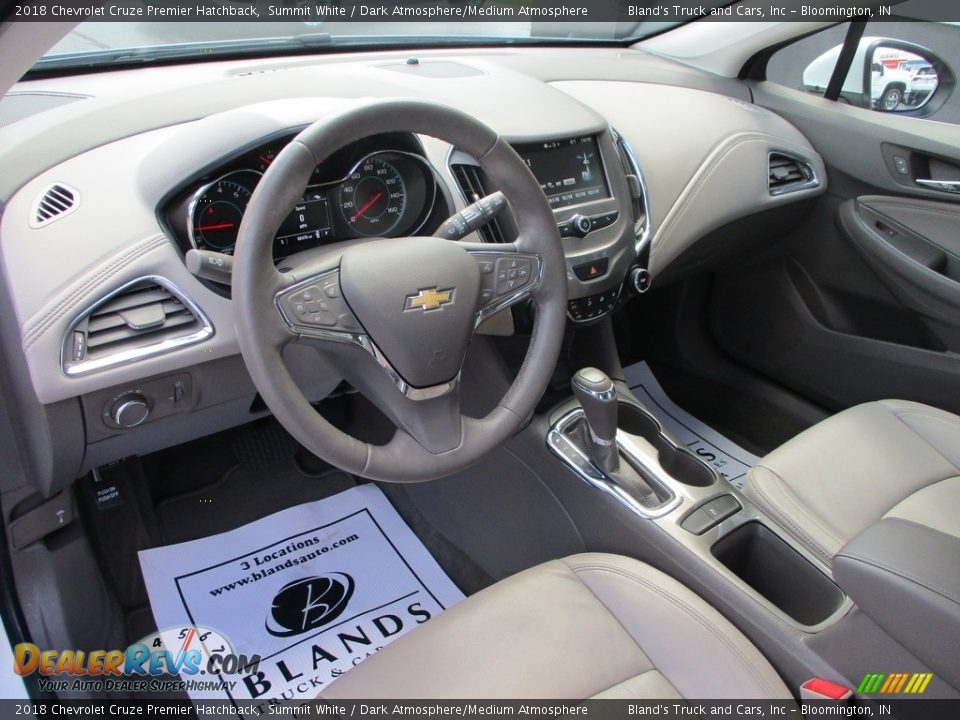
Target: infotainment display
569, 171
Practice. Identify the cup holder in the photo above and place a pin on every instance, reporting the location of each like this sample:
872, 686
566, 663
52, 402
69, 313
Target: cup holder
679, 463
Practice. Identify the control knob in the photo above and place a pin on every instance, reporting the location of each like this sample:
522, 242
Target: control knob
640, 279
580, 223
129, 410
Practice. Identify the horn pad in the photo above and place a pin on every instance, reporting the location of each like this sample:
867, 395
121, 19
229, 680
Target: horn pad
417, 299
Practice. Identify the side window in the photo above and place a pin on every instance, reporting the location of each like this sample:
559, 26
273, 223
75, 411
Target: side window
898, 66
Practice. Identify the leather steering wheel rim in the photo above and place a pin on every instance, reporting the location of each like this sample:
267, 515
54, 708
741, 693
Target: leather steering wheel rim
256, 283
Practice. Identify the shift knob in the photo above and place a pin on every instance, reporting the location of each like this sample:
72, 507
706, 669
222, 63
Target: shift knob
598, 398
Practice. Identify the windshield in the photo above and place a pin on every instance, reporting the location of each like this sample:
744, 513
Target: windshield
95, 43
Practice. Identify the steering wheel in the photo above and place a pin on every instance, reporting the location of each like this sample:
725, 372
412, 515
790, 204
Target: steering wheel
396, 315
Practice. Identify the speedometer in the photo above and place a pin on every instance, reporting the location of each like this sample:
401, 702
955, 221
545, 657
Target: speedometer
373, 199
218, 209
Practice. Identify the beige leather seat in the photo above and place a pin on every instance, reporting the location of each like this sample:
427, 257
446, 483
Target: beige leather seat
891, 458
590, 625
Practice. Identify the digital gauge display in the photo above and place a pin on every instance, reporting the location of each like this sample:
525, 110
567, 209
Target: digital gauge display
569, 171
308, 222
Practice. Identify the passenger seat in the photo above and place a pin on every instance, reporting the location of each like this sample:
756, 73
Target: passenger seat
890, 458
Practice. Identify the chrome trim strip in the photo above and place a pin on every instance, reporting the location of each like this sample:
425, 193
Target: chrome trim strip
947, 186
600, 394
195, 198
82, 367
558, 441
644, 232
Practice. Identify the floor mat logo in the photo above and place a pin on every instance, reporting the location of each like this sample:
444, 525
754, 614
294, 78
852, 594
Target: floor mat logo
308, 604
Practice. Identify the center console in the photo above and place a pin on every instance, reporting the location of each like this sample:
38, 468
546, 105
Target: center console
596, 190
594, 185
646, 469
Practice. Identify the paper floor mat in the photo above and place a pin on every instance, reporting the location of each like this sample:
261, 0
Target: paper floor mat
728, 458
313, 590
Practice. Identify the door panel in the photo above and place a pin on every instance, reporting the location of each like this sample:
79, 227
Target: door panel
862, 300
914, 247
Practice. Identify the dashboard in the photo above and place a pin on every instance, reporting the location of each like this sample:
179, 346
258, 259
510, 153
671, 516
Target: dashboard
638, 158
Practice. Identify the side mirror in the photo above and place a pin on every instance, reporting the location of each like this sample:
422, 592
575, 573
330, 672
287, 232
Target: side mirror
886, 75
908, 77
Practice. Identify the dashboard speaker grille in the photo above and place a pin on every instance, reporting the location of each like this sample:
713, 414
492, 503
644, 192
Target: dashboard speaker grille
143, 318
474, 185
55, 202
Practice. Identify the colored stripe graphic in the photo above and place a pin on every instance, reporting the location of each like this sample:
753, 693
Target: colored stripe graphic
894, 683
891, 682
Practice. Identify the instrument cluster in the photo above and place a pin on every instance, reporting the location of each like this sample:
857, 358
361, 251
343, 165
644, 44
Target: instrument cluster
382, 187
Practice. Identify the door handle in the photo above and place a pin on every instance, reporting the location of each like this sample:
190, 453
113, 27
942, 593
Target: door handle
947, 186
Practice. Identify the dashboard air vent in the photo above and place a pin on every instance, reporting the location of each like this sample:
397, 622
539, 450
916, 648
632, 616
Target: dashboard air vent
474, 185
55, 202
789, 174
143, 318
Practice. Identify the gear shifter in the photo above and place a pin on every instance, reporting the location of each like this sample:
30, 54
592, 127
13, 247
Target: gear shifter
598, 398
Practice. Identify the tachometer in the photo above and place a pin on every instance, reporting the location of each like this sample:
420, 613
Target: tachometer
373, 199
217, 210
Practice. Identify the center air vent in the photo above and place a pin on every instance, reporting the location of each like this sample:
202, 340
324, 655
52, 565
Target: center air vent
474, 185
54, 203
787, 173
143, 318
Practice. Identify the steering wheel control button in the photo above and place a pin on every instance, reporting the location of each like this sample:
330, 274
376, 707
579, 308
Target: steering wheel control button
510, 277
593, 306
331, 290
512, 273
318, 305
592, 270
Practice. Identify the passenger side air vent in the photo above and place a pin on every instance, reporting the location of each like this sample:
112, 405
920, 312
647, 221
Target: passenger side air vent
143, 318
54, 203
789, 174
474, 185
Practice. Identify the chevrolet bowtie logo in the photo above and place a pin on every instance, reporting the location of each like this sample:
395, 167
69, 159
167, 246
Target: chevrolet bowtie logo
429, 299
